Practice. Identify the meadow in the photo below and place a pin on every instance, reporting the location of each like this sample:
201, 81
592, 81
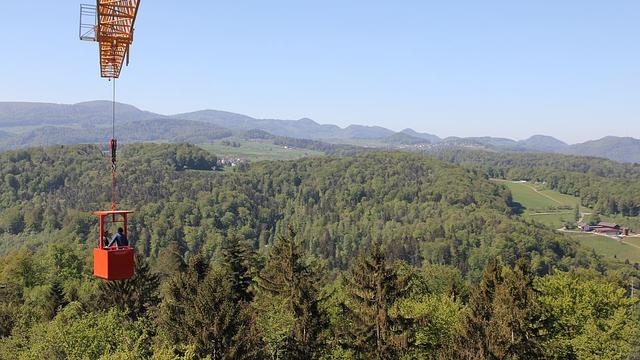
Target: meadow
257, 150
546, 206
554, 209
625, 249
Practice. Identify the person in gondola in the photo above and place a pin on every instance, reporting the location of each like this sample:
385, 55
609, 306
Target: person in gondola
120, 239
106, 238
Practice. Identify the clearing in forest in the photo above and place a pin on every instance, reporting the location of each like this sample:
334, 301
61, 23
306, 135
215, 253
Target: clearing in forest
546, 206
256, 150
554, 209
624, 249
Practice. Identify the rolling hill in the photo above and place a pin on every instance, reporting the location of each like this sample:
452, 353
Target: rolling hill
25, 124
403, 138
303, 128
85, 113
432, 138
543, 143
623, 149
162, 130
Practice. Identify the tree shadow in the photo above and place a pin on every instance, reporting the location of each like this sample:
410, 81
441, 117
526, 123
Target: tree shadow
517, 208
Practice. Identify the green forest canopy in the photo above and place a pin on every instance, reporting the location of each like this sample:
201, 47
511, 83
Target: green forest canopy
433, 251
606, 186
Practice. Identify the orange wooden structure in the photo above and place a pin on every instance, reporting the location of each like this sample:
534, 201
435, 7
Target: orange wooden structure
111, 24
116, 262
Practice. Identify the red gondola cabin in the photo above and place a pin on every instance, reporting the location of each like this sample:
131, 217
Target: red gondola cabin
115, 262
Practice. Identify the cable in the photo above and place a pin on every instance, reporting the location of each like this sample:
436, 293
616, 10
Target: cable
113, 120
113, 146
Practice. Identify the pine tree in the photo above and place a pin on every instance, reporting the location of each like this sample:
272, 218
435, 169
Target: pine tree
373, 287
169, 261
473, 342
180, 295
237, 256
199, 310
290, 276
516, 316
135, 296
503, 315
56, 299
219, 325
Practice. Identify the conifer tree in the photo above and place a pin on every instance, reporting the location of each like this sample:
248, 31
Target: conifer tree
473, 342
516, 316
135, 296
237, 256
373, 286
56, 299
199, 310
290, 276
169, 261
503, 315
219, 325
181, 291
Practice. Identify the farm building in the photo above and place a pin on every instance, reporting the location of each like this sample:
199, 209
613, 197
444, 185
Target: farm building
584, 227
610, 229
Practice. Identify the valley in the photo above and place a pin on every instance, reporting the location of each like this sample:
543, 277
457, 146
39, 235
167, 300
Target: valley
554, 210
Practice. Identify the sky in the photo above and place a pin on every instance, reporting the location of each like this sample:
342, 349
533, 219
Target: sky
569, 68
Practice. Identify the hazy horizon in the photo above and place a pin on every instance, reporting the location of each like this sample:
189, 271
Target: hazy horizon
569, 70
396, 129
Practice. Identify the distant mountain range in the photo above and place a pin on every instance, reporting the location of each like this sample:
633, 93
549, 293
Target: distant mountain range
86, 113
163, 129
35, 124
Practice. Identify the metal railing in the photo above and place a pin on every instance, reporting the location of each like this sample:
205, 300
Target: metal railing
88, 22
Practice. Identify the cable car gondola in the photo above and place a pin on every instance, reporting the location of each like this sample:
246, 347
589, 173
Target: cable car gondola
114, 262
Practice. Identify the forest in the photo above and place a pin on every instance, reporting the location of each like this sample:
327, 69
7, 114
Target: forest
606, 186
370, 255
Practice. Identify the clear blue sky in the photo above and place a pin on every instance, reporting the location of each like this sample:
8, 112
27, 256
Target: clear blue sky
568, 68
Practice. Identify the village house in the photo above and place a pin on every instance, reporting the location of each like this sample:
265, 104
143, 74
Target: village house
230, 161
609, 229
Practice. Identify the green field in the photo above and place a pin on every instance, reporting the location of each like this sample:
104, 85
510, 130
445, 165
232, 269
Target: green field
545, 206
257, 150
632, 241
359, 142
537, 199
549, 207
564, 199
626, 249
533, 200
554, 220
553, 208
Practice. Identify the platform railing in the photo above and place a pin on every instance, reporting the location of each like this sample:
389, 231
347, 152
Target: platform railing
88, 22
